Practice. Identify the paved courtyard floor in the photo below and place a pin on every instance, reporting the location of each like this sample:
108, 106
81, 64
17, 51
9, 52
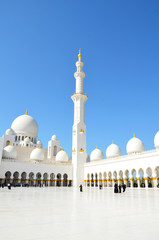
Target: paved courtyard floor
65, 213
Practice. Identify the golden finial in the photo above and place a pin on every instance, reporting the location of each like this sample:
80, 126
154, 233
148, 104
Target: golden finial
79, 55
134, 135
96, 147
10, 144
37, 146
26, 111
113, 142
62, 149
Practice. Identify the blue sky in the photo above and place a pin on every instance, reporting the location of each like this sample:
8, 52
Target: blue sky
120, 48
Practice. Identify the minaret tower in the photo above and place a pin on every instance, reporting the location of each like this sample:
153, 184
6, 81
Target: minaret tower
79, 127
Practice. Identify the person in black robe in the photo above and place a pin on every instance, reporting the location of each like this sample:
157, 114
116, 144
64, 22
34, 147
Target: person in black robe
115, 188
81, 188
119, 188
124, 187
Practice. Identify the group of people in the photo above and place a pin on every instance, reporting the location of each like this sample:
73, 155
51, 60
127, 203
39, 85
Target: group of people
117, 189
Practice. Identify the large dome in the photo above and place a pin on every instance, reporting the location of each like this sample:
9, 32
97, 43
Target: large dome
37, 154
156, 140
135, 145
113, 151
9, 152
9, 131
62, 156
25, 125
96, 154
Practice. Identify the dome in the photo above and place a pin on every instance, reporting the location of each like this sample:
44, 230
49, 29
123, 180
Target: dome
96, 154
27, 140
10, 131
54, 138
25, 125
62, 156
9, 152
37, 154
156, 140
135, 145
113, 151
39, 143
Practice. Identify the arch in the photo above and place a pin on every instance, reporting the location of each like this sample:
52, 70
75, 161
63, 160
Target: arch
142, 180
15, 178
105, 179
38, 179
110, 179
23, 178
100, 178
127, 176
55, 150
15, 138
88, 180
96, 180
8, 142
157, 176
115, 176
65, 177
52, 179
45, 179
7, 177
134, 178
92, 180
31, 179
149, 177
58, 183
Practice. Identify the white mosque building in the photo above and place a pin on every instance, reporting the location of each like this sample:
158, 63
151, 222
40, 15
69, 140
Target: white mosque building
23, 160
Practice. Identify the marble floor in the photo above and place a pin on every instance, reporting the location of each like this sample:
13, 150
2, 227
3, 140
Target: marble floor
66, 213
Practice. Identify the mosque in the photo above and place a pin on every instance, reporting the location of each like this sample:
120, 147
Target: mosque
23, 160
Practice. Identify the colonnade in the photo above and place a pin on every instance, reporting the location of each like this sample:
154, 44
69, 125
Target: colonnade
148, 178
36, 179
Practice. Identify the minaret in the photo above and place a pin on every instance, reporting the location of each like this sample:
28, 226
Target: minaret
79, 127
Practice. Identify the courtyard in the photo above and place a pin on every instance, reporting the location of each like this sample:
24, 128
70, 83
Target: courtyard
65, 213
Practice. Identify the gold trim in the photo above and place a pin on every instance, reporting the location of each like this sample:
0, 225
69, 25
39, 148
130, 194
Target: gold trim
74, 150
81, 131
81, 150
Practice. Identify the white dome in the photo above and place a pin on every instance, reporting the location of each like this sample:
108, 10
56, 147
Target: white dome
156, 140
37, 154
113, 151
96, 154
9, 152
25, 125
27, 140
54, 138
10, 131
39, 143
135, 145
62, 156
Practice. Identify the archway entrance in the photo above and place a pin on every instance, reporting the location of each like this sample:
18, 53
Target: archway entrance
52, 179
65, 176
23, 178
15, 178
38, 179
45, 179
31, 179
7, 177
58, 180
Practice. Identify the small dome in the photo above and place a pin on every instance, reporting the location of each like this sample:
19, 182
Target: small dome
10, 131
25, 125
113, 151
37, 154
9, 152
156, 140
27, 140
39, 143
62, 156
96, 154
135, 145
54, 138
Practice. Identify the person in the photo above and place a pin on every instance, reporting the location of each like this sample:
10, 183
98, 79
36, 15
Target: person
124, 187
81, 189
115, 188
9, 186
119, 188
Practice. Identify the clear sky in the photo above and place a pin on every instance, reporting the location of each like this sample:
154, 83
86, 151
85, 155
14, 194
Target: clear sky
119, 40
